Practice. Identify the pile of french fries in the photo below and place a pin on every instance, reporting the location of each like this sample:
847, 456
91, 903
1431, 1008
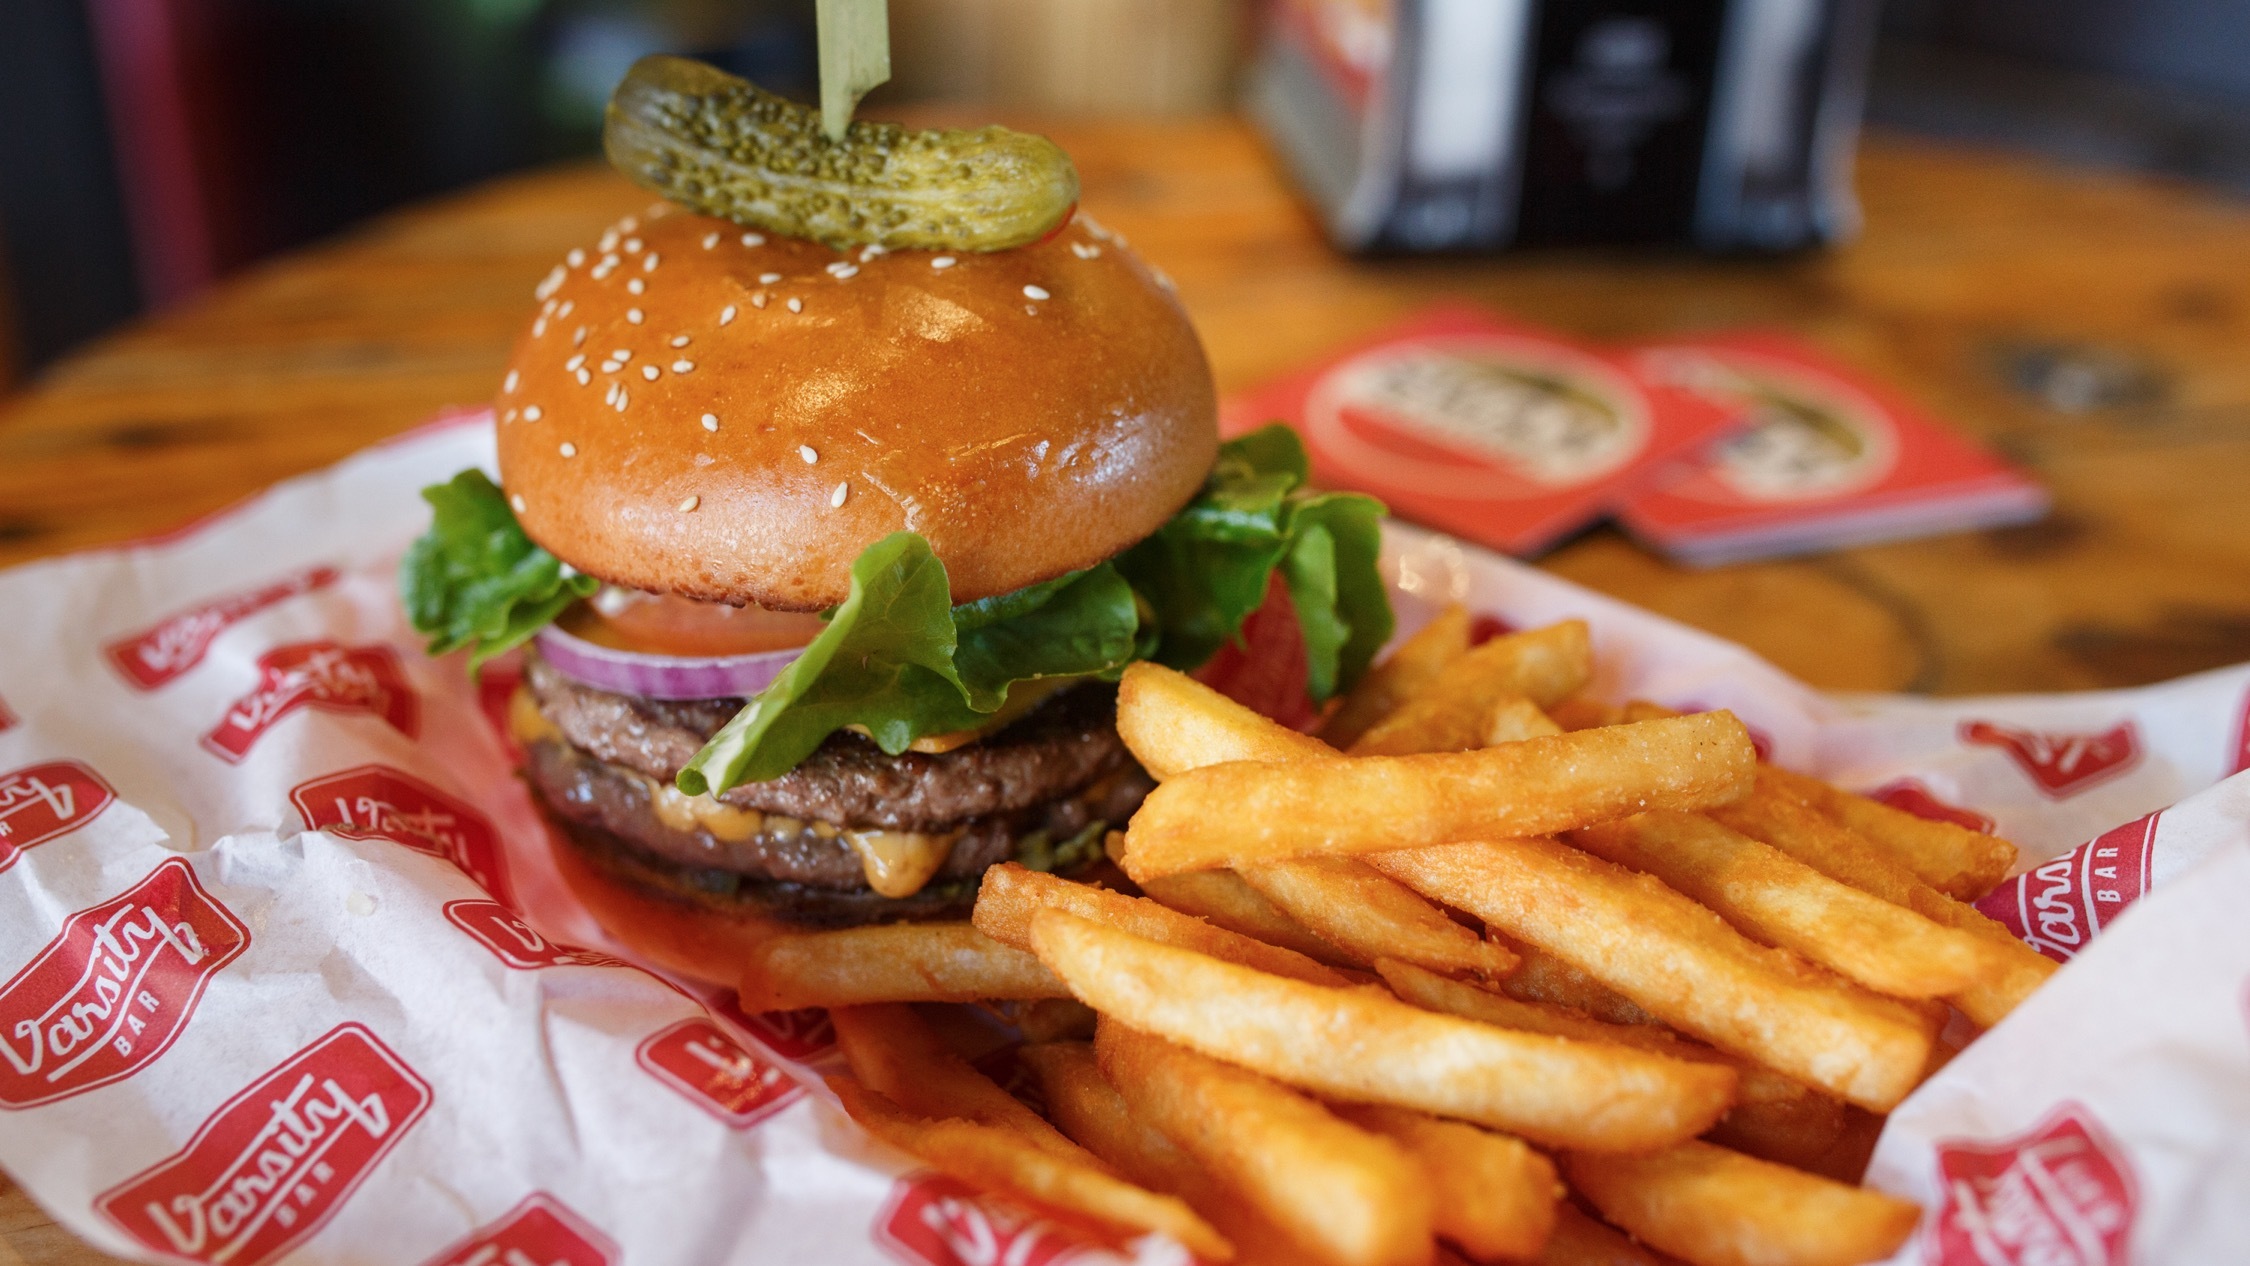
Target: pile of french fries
1486, 971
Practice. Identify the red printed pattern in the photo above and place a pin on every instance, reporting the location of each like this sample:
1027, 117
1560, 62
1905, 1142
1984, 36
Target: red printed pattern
177, 644
716, 1074
2060, 906
323, 675
933, 1220
279, 1159
2060, 1194
2061, 765
513, 941
2241, 759
40, 802
542, 1231
114, 988
378, 802
1911, 796
792, 1035
7, 718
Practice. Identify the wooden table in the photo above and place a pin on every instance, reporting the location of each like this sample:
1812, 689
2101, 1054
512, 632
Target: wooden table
2141, 573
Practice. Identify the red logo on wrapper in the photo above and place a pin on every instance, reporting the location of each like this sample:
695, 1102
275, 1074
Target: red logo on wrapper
2061, 765
933, 1220
7, 718
797, 1035
378, 802
542, 1231
1910, 795
2059, 1195
2061, 905
323, 675
711, 1069
1492, 430
114, 988
277, 1160
151, 659
40, 802
513, 941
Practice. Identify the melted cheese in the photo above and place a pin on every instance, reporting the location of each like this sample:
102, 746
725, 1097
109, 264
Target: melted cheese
683, 812
527, 723
898, 863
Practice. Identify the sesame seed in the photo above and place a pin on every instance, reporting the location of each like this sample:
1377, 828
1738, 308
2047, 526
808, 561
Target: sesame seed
517, 502
871, 252
573, 363
579, 339
575, 258
1036, 292
628, 224
710, 240
649, 265
532, 413
753, 239
758, 300
683, 366
569, 449
584, 377
509, 416
623, 397
840, 270
547, 308
550, 283
539, 328
806, 451
767, 279
610, 396
609, 261
1085, 250
1031, 309
943, 261
710, 421
796, 305
636, 286
679, 340
650, 372
508, 384
634, 315
621, 355
690, 504
836, 498
632, 246
608, 242
726, 315
568, 306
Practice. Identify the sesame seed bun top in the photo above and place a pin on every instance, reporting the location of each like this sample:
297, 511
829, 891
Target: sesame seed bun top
733, 417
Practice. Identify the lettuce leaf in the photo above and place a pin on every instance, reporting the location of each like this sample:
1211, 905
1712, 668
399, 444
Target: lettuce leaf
899, 660
475, 580
1206, 570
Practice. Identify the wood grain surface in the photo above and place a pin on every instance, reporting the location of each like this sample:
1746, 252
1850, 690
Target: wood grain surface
2141, 573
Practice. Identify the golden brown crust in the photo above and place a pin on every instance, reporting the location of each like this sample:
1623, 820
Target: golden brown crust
1024, 437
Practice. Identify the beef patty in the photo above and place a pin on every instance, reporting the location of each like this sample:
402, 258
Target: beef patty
1059, 747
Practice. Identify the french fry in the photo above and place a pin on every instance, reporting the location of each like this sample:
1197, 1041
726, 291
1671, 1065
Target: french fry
896, 962
1373, 1048
1542, 977
1349, 1198
1808, 835
1088, 1109
1248, 812
1000, 1158
1772, 897
1581, 713
1491, 1194
1010, 895
1712, 1207
1369, 915
1221, 897
1174, 723
1680, 962
1452, 712
1404, 673
1579, 1240
1514, 720
1054, 1020
1961, 863
1773, 1116
892, 1052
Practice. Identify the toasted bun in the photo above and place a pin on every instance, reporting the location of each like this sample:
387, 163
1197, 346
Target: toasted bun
1024, 436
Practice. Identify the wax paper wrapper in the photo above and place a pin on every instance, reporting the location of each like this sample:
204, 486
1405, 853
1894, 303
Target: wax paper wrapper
289, 972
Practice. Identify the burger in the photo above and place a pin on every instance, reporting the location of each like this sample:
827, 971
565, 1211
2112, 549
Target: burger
823, 558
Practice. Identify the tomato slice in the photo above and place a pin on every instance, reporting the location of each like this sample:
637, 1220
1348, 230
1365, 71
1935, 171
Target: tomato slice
664, 624
1267, 672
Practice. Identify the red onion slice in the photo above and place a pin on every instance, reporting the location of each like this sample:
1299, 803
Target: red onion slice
662, 676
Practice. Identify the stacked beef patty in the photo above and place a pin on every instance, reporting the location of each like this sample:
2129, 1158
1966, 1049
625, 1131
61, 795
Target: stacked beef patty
815, 845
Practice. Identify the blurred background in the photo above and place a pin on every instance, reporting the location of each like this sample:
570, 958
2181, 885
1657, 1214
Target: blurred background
155, 146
